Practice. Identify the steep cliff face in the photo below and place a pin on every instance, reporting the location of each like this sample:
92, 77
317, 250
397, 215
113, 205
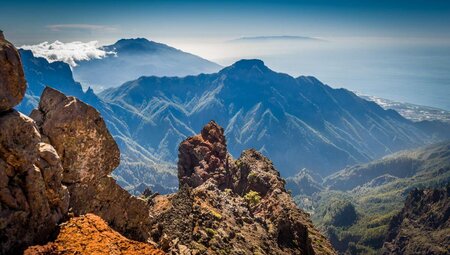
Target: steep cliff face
90, 234
228, 206
423, 225
32, 198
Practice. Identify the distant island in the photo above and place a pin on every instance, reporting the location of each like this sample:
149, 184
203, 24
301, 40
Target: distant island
276, 37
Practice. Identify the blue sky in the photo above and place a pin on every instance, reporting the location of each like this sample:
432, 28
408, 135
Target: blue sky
28, 22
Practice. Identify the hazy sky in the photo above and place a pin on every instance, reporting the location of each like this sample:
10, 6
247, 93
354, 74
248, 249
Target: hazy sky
29, 22
395, 49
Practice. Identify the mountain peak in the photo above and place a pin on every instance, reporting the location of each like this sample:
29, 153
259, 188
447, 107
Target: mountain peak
247, 66
249, 63
133, 40
135, 45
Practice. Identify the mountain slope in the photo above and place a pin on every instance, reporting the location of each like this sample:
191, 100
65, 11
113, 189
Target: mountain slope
132, 58
423, 225
377, 191
315, 126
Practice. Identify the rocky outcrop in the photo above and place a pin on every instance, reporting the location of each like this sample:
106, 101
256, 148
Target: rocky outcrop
204, 156
423, 225
88, 154
89, 234
60, 159
32, 198
12, 81
79, 135
228, 206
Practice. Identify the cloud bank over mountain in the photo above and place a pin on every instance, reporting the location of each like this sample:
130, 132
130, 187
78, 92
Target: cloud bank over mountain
68, 52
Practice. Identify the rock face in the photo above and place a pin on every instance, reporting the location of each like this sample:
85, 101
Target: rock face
227, 206
89, 154
202, 156
79, 134
423, 225
89, 234
60, 159
32, 198
12, 81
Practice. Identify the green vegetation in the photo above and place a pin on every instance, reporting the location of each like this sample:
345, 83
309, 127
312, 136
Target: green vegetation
215, 214
252, 197
374, 201
339, 213
210, 232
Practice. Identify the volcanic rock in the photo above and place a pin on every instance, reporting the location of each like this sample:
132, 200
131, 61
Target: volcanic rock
202, 156
89, 234
79, 135
32, 199
89, 153
12, 81
227, 206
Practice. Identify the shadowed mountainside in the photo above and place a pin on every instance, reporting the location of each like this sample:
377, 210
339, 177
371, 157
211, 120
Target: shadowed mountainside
133, 58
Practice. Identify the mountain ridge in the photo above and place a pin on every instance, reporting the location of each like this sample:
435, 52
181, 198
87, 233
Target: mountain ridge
258, 108
247, 94
136, 57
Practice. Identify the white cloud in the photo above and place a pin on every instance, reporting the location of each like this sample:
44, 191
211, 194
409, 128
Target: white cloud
68, 52
60, 27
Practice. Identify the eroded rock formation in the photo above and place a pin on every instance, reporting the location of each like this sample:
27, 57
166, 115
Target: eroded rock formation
88, 154
57, 161
204, 156
228, 206
32, 199
90, 234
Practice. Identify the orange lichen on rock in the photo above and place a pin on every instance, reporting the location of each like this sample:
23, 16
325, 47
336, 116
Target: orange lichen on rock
90, 234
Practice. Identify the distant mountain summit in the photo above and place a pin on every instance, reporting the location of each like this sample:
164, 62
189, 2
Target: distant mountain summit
136, 45
128, 59
298, 122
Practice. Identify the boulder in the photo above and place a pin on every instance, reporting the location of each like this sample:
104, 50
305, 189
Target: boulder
88, 154
12, 80
79, 135
32, 198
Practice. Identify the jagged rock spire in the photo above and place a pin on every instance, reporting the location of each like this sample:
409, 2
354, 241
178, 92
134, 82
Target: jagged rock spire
204, 156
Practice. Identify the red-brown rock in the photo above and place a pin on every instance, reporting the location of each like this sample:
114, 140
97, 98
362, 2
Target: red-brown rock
32, 199
89, 153
90, 235
12, 81
204, 156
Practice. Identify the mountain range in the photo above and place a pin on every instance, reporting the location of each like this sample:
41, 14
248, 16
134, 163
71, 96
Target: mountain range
129, 59
298, 122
